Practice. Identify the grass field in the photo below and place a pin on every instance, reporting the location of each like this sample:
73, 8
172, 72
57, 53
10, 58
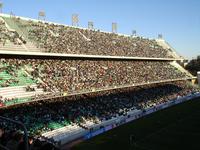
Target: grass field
175, 128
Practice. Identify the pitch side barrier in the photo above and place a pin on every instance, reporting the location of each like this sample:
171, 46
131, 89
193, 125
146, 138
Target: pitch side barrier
56, 95
136, 114
77, 56
96, 129
140, 113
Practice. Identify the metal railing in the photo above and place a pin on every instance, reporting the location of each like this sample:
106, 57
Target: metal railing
20, 125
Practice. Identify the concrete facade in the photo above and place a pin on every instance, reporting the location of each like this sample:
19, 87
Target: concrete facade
198, 77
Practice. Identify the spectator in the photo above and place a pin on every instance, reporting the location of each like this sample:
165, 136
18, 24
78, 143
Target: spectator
15, 141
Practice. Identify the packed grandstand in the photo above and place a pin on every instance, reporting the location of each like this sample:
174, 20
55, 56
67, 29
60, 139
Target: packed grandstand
62, 97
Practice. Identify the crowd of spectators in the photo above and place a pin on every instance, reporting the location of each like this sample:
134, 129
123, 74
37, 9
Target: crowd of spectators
9, 35
96, 107
64, 39
14, 140
75, 76
29, 88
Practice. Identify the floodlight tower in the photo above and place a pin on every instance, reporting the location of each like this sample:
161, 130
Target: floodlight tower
75, 20
134, 33
160, 36
41, 15
114, 27
12, 15
1, 7
90, 25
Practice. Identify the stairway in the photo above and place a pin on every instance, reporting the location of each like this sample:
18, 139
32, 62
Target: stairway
9, 46
15, 25
19, 92
172, 51
179, 67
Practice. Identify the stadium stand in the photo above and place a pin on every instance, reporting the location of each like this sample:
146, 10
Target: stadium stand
54, 38
35, 76
58, 97
12, 40
9, 39
68, 116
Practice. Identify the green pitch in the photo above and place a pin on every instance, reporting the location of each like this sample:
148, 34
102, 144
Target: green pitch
175, 128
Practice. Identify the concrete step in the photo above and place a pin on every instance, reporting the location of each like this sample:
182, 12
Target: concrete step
22, 94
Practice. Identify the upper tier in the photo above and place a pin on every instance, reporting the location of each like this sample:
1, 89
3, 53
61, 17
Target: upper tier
33, 35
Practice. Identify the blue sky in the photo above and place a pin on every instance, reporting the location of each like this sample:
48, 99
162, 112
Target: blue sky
177, 20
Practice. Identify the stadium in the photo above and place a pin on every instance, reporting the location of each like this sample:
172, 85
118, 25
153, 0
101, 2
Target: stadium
61, 85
